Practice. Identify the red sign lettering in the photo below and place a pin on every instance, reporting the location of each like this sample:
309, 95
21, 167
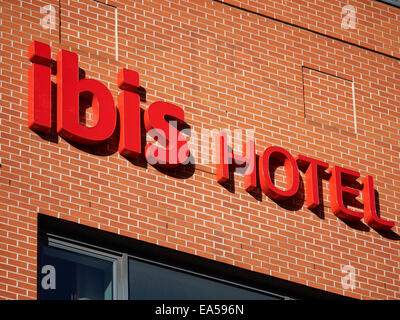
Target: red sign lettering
170, 147
172, 141
370, 215
129, 112
341, 193
283, 158
226, 158
314, 168
69, 89
39, 88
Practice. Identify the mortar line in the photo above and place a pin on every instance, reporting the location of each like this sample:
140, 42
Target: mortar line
305, 29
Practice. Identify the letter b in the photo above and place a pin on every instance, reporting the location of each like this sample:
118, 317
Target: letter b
69, 87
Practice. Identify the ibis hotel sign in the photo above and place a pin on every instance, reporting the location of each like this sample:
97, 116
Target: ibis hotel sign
171, 148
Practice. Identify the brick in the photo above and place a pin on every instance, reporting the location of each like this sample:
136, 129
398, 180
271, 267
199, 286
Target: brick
240, 71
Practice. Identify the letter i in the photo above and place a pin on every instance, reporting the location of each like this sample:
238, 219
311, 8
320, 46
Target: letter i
129, 110
39, 87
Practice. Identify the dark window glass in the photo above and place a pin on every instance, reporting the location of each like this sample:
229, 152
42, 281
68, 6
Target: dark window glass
393, 2
78, 276
148, 281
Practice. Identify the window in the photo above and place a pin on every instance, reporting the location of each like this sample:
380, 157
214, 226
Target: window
77, 262
150, 281
393, 2
77, 274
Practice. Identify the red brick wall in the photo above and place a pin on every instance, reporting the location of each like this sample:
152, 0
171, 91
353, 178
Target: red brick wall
298, 81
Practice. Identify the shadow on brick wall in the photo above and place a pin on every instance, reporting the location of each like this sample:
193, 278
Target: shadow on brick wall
389, 234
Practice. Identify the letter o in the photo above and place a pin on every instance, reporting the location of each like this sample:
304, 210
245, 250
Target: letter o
292, 174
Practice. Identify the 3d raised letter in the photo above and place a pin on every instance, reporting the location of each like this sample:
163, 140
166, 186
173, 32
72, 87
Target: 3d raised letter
292, 175
69, 87
340, 193
39, 87
226, 157
129, 111
172, 149
370, 215
313, 167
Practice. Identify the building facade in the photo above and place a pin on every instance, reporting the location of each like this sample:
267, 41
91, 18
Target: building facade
85, 213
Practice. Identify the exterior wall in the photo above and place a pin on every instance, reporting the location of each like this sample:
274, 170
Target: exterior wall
290, 74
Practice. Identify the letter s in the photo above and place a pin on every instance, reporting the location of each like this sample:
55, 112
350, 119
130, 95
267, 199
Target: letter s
173, 149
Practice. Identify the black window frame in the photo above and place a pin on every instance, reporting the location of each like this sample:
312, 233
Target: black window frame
71, 246
394, 3
82, 237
